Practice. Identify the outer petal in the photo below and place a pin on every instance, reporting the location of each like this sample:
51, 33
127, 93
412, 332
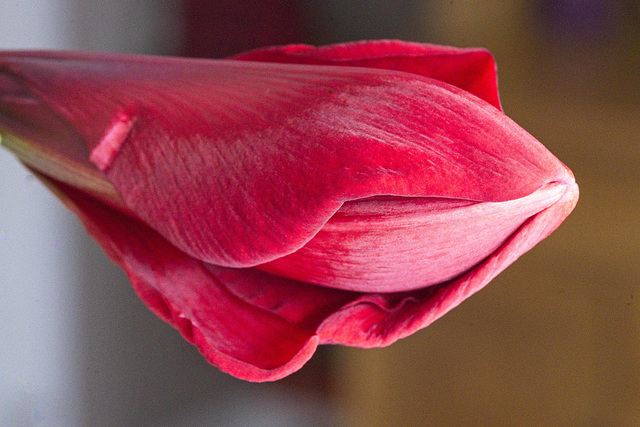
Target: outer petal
470, 69
260, 327
264, 154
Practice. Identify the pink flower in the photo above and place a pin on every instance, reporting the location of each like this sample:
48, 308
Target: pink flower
293, 196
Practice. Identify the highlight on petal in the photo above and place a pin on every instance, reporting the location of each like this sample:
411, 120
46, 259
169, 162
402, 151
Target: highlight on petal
109, 146
291, 196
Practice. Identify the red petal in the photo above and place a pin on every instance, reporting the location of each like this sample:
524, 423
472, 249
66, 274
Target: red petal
239, 163
470, 69
242, 339
260, 327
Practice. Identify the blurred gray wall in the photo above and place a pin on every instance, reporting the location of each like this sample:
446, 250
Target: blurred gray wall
39, 331
77, 346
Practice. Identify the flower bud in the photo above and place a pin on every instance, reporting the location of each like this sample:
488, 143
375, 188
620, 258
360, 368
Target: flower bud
289, 196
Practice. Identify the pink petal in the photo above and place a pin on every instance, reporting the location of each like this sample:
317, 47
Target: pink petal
391, 245
240, 163
380, 319
470, 69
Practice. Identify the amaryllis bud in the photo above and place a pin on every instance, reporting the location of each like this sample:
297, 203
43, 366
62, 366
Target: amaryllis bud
290, 196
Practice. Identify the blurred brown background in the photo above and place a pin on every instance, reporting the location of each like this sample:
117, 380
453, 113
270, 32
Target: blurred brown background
554, 340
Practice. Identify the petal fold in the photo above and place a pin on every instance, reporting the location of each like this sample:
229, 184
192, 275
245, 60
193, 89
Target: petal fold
376, 320
391, 245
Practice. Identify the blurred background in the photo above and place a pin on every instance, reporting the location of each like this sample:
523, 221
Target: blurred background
554, 340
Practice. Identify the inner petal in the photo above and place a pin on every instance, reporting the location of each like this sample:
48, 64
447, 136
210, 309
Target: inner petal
390, 244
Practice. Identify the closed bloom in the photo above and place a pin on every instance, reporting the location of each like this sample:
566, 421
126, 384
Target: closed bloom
290, 196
